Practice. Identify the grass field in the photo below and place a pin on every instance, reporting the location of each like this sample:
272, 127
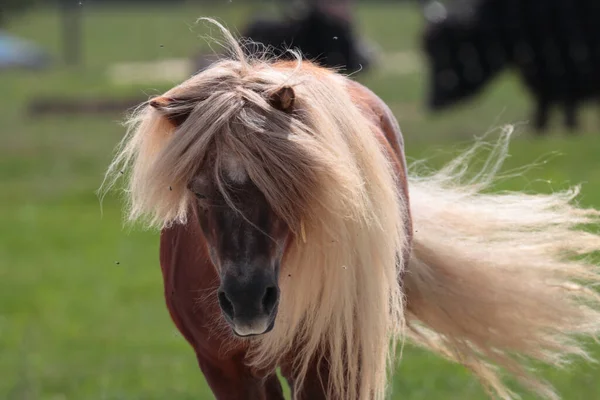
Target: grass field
81, 307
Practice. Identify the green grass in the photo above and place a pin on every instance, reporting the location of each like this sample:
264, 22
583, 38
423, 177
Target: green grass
74, 324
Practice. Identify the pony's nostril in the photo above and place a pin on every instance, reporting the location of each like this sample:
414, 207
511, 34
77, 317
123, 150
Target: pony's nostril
226, 304
269, 299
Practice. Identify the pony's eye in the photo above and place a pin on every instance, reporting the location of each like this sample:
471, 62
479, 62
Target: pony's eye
199, 187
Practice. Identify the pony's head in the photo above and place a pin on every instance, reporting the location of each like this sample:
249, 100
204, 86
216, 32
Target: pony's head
244, 234
464, 52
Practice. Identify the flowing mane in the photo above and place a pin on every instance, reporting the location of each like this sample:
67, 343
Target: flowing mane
331, 183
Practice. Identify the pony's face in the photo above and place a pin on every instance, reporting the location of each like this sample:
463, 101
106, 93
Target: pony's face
246, 241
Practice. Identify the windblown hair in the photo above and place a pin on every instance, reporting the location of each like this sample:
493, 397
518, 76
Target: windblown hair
495, 278
491, 276
323, 170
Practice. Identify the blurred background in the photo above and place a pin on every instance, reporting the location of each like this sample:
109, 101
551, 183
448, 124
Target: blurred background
82, 314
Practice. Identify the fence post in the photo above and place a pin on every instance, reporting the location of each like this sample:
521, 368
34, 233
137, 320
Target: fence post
72, 32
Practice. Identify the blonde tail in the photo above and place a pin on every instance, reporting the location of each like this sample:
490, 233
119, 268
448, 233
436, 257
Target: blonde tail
493, 276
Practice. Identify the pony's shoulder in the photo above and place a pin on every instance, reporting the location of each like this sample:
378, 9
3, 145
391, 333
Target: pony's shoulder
364, 96
377, 110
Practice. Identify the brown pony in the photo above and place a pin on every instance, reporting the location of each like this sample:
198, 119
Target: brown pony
287, 239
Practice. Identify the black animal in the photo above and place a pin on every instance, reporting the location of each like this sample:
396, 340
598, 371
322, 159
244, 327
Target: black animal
553, 44
324, 38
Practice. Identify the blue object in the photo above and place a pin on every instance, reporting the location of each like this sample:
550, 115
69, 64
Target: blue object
19, 53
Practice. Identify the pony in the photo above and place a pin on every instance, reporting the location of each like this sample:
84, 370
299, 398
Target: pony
553, 45
295, 238
326, 39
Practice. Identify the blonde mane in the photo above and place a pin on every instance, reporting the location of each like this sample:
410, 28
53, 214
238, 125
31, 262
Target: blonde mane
323, 171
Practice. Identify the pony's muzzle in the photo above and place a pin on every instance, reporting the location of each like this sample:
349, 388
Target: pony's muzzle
250, 309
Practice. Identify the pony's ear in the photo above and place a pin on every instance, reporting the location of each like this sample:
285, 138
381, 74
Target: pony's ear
283, 99
166, 106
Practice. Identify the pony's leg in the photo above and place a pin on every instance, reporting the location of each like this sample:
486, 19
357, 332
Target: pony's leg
273, 388
314, 386
541, 115
232, 380
571, 115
